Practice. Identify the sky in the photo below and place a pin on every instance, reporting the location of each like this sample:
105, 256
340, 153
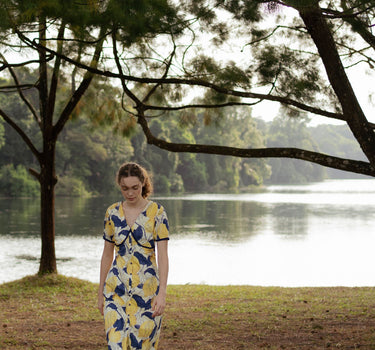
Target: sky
364, 88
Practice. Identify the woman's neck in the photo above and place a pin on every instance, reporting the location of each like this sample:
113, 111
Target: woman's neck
140, 204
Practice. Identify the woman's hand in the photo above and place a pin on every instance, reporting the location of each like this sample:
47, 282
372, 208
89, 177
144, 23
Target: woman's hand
101, 304
105, 265
163, 265
159, 304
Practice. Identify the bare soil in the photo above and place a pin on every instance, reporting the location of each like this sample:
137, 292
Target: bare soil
63, 316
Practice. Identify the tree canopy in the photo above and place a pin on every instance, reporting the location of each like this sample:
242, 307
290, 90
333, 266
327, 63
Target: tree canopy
221, 53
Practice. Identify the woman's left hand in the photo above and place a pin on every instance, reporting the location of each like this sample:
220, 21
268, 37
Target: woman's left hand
158, 305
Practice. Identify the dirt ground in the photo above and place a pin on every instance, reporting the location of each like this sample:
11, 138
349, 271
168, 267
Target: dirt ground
205, 318
294, 334
286, 333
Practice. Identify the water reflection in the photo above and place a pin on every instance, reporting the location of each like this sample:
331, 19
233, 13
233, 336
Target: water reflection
80, 216
220, 220
290, 219
19, 217
317, 234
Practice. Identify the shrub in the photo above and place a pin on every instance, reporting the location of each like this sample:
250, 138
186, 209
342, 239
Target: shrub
70, 186
17, 182
161, 184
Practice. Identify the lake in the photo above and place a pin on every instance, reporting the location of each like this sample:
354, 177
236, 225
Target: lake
319, 234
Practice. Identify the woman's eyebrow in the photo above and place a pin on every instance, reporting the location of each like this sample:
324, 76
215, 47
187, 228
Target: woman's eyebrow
125, 187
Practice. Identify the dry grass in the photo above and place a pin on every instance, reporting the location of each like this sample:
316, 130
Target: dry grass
57, 312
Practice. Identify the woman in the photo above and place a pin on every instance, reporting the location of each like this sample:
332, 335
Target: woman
132, 289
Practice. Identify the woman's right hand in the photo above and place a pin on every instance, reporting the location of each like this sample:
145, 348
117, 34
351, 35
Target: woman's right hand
101, 304
106, 262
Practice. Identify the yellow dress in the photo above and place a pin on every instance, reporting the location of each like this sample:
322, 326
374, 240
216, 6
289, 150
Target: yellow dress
132, 281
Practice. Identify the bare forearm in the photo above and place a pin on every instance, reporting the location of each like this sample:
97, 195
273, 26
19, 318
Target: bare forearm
163, 266
105, 265
163, 276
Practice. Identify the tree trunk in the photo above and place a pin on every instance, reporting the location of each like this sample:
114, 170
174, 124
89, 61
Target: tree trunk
352, 111
47, 176
48, 181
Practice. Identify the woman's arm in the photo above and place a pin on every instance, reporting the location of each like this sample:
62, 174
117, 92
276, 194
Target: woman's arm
163, 267
106, 262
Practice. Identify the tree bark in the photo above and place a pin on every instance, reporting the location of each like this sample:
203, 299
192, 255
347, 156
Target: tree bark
321, 35
47, 178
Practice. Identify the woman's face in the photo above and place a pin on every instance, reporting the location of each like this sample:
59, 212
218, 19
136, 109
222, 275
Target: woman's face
131, 189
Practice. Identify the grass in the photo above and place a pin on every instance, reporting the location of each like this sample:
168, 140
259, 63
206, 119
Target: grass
57, 312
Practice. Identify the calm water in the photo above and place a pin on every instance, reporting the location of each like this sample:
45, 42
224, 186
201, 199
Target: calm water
321, 234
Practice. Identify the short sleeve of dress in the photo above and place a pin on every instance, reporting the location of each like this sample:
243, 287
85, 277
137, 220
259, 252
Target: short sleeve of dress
109, 227
161, 225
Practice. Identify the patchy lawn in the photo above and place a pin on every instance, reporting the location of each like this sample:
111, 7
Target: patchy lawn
57, 312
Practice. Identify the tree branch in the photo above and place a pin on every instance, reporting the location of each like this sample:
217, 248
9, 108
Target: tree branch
18, 86
295, 153
168, 65
351, 17
43, 76
13, 88
348, 13
196, 82
35, 173
65, 114
351, 52
14, 65
55, 73
207, 106
26, 139
119, 68
362, 30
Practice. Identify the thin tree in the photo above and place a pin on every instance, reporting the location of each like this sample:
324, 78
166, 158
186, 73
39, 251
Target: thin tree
37, 34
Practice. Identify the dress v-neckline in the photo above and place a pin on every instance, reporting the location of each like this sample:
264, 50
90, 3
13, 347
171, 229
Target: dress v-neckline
136, 219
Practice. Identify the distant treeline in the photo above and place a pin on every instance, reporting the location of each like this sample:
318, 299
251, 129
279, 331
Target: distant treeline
336, 140
98, 140
88, 157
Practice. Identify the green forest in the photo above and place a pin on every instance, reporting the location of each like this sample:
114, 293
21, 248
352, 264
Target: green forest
98, 139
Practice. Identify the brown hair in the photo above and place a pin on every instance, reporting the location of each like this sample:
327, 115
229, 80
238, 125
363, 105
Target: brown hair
134, 169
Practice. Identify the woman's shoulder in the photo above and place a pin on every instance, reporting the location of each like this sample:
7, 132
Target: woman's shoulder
114, 207
156, 204
154, 208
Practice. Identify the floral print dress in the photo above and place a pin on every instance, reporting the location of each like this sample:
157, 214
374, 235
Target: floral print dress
132, 281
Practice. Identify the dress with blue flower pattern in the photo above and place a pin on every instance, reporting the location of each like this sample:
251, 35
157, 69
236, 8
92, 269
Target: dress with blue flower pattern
132, 281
